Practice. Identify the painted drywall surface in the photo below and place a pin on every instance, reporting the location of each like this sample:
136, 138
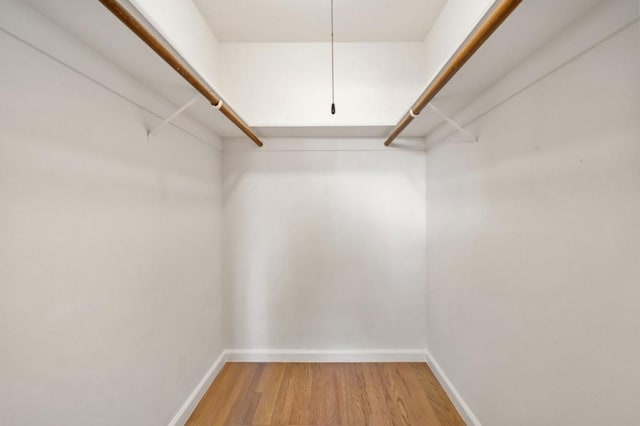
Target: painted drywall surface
534, 249
583, 26
324, 249
26, 23
110, 307
183, 27
456, 21
289, 84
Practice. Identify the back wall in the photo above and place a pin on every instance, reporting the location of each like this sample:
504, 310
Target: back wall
324, 249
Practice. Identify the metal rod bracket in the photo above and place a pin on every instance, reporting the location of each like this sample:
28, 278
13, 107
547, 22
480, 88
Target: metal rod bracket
455, 124
169, 119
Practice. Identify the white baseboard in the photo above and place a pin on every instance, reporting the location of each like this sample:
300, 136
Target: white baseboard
303, 355
192, 401
454, 395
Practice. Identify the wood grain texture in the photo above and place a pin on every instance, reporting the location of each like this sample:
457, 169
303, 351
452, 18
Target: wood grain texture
305, 394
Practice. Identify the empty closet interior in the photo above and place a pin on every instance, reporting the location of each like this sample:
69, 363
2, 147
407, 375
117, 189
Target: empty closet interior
332, 212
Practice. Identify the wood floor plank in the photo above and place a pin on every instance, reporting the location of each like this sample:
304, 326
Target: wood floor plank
301, 385
415, 395
293, 396
246, 403
398, 396
303, 394
383, 411
213, 398
440, 402
327, 395
268, 387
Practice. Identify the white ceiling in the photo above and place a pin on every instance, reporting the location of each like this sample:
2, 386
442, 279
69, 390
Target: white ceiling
309, 20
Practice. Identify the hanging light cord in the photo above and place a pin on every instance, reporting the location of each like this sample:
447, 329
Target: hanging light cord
333, 83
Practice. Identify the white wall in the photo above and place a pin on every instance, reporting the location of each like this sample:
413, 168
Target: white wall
289, 84
324, 249
110, 286
180, 23
24, 21
454, 24
533, 252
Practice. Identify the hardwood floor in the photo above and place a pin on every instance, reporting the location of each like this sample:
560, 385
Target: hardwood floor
292, 394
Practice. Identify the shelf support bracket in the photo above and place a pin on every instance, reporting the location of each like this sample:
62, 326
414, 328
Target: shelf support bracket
453, 123
172, 117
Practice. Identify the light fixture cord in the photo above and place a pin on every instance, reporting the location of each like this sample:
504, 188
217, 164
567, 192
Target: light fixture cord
333, 83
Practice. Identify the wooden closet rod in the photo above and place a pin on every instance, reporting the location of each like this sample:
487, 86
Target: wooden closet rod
178, 64
489, 24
